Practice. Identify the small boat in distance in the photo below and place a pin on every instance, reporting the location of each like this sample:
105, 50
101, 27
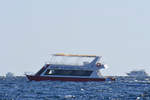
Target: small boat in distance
68, 67
9, 75
137, 74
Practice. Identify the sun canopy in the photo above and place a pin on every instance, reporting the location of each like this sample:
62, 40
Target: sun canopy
71, 55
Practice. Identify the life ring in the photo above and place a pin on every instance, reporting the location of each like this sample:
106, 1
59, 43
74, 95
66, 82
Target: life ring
98, 64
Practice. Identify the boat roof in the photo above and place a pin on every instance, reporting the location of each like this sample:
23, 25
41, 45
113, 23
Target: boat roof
73, 55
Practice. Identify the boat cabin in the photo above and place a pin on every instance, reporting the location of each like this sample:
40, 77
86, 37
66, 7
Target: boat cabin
62, 65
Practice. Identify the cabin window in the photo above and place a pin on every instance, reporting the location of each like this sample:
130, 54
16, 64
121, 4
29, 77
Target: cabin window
68, 72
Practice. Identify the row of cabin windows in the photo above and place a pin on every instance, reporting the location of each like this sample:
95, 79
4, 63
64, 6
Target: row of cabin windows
68, 72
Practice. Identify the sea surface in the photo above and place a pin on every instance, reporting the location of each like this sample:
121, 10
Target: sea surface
124, 88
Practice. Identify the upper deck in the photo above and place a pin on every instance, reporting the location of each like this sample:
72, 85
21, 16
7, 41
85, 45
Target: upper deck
75, 60
72, 55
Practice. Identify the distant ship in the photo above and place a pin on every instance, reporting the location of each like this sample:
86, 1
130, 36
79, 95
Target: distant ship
9, 75
63, 68
137, 73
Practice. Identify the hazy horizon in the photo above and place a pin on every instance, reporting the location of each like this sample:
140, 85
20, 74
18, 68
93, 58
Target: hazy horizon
116, 30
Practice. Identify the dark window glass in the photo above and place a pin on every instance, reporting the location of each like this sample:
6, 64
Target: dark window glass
68, 72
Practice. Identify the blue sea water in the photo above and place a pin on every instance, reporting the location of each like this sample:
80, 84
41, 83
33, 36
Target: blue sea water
124, 88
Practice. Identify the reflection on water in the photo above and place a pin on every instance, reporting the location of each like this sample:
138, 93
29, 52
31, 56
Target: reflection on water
124, 88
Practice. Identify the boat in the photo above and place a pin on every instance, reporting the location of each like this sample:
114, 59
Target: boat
9, 75
138, 73
69, 67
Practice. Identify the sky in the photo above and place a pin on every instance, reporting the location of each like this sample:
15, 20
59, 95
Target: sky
117, 30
